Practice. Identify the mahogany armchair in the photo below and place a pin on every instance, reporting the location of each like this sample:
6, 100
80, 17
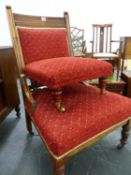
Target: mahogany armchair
44, 54
102, 44
89, 116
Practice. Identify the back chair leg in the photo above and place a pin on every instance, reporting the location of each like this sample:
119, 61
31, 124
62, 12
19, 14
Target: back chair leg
29, 123
124, 135
57, 93
102, 85
17, 109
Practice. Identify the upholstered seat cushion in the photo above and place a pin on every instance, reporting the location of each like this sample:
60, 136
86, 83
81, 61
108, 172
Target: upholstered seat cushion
58, 72
88, 113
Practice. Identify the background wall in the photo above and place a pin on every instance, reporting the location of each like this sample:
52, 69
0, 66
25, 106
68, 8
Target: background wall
83, 14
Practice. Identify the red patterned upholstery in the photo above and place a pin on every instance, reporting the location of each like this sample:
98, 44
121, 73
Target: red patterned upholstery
59, 72
39, 44
85, 116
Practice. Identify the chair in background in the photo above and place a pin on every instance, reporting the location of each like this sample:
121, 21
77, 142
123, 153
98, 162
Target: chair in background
125, 50
90, 115
43, 49
78, 42
102, 44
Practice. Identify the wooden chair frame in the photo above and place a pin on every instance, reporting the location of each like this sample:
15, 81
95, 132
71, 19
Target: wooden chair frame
59, 162
99, 42
102, 43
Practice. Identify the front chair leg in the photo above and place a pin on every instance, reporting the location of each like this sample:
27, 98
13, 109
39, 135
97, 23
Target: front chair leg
59, 167
124, 135
57, 93
102, 85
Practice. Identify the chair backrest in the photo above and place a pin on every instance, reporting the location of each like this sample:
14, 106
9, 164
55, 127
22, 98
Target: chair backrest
125, 49
36, 37
102, 36
78, 42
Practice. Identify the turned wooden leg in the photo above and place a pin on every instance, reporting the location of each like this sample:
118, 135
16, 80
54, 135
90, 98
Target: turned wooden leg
59, 167
57, 93
102, 85
124, 135
59, 170
17, 109
29, 123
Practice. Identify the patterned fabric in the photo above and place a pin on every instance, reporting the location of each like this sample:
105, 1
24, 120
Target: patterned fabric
39, 44
59, 72
88, 113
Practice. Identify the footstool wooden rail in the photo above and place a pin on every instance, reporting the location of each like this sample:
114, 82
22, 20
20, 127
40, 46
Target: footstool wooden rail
90, 117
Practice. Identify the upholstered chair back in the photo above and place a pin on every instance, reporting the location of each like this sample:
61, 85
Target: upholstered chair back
39, 44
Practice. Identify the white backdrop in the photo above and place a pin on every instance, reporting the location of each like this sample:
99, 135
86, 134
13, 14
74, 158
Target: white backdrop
83, 13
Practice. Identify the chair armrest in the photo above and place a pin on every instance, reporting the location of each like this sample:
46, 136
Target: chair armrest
116, 41
27, 92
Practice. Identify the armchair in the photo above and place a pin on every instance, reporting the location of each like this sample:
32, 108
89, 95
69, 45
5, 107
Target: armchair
102, 44
44, 54
90, 115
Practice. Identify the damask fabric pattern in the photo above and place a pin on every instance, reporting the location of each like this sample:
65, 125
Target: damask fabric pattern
88, 113
39, 44
58, 72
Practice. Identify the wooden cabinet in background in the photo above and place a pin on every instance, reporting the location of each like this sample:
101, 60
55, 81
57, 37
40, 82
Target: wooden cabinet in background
9, 98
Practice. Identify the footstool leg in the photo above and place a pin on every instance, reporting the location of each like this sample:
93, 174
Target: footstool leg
102, 85
124, 135
57, 93
29, 123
